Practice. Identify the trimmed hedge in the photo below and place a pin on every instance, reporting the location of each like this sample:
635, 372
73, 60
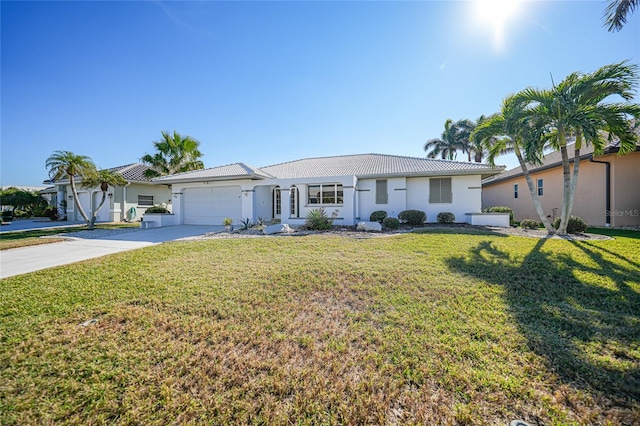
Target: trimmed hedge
157, 209
391, 223
446, 217
378, 216
576, 225
530, 224
412, 217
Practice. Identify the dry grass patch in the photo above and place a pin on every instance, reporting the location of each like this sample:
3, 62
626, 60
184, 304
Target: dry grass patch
434, 328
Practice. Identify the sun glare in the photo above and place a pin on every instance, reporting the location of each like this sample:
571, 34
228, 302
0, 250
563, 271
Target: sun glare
497, 14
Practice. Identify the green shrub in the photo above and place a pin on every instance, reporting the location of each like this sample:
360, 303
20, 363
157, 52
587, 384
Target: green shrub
529, 224
7, 215
576, 225
51, 212
246, 224
21, 214
391, 223
502, 209
446, 217
318, 220
378, 216
157, 209
412, 217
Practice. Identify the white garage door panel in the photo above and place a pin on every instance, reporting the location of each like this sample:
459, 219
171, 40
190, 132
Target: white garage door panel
209, 206
103, 213
85, 202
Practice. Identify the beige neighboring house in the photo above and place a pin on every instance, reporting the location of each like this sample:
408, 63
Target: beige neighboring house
123, 203
608, 192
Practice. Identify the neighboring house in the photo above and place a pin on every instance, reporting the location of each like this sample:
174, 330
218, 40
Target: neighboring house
350, 187
123, 203
607, 193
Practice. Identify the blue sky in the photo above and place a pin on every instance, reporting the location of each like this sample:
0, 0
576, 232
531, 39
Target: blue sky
268, 82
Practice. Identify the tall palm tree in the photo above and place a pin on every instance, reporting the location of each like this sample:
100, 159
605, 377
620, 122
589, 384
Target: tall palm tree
576, 106
472, 146
103, 178
174, 154
447, 145
506, 132
616, 13
66, 164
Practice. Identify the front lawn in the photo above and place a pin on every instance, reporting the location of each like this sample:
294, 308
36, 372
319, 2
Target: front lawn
434, 328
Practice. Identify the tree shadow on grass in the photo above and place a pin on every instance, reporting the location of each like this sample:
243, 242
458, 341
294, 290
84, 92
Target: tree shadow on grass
587, 328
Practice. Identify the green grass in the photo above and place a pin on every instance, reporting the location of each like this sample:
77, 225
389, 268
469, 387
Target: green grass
433, 328
26, 238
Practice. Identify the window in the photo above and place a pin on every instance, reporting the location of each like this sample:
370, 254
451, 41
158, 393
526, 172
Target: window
325, 194
440, 190
277, 198
381, 192
145, 200
515, 190
540, 190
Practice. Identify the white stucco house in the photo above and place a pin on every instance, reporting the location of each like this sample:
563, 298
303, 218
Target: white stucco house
123, 203
349, 186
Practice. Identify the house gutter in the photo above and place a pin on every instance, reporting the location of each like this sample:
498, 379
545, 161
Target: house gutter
607, 190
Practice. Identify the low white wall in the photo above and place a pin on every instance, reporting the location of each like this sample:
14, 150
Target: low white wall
488, 219
157, 220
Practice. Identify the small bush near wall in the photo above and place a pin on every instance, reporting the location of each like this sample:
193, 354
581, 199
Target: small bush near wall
391, 223
412, 217
529, 224
157, 209
318, 220
446, 217
51, 212
7, 215
502, 209
576, 225
378, 216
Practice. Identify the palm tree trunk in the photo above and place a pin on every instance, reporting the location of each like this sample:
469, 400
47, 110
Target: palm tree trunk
532, 191
95, 212
574, 177
566, 191
77, 201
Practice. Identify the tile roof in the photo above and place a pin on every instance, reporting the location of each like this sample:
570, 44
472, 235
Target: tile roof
361, 165
230, 171
132, 172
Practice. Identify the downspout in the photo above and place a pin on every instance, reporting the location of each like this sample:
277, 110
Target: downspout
607, 190
123, 208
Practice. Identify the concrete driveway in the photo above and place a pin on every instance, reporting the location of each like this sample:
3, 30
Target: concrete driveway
33, 224
34, 258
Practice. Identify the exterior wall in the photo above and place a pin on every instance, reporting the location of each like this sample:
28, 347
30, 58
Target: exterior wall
466, 197
262, 202
625, 194
366, 197
161, 196
590, 199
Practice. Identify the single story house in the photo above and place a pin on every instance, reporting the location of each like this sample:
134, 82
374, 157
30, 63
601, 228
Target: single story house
607, 193
123, 203
349, 187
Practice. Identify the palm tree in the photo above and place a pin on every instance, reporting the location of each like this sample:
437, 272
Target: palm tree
576, 107
447, 145
174, 154
472, 146
616, 13
66, 164
506, 132
104, 179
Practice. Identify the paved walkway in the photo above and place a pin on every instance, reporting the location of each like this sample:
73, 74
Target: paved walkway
34, 258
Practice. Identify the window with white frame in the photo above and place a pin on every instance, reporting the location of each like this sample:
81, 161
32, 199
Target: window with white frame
540, 187
382, 197
145, 200
325, 194
440, 190
515, 190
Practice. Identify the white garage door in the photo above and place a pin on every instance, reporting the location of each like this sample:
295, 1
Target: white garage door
103, 213
209, 206
85, 201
